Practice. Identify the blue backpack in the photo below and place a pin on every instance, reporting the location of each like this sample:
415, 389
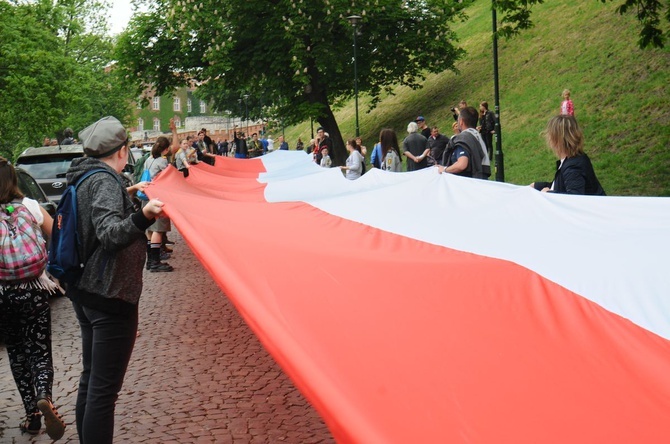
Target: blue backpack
65, 263
146, 177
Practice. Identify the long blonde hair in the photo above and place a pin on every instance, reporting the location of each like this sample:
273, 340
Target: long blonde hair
564, 136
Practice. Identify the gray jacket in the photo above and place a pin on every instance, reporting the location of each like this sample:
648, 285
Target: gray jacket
111, 231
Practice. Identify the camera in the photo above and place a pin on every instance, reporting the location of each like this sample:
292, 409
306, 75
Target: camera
453, 110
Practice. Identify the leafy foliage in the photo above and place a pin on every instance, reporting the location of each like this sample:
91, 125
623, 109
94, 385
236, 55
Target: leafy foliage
53, 71
649, 14
292, 57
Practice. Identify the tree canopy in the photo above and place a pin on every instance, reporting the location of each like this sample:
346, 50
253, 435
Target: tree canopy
293, 58
54, 60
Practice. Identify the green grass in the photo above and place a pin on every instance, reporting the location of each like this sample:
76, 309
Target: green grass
621, 95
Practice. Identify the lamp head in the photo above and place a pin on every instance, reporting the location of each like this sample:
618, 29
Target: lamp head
355, 20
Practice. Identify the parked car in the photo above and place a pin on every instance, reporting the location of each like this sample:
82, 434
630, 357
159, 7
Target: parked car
30, 188
49, 164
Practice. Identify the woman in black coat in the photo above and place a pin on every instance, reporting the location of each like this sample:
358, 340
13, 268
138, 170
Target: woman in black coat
574, 172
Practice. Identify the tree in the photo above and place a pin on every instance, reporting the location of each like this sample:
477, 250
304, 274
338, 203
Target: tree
649, 15
295, 56
53, 72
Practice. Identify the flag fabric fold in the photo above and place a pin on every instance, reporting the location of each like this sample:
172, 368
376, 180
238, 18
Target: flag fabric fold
420, 307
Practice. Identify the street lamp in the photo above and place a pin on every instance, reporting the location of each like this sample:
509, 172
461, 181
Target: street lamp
499, 162
355, 20
246, 114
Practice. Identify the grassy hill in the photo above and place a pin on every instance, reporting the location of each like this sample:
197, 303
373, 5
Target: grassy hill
621, 95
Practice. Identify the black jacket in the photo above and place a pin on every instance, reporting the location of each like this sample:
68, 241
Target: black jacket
575, 176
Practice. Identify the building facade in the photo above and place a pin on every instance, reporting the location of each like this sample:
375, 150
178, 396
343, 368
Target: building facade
190, 113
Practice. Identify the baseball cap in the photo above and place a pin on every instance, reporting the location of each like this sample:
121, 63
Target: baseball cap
420, 119
104, 137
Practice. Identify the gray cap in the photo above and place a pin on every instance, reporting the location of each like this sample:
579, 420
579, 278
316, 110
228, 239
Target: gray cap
104, 137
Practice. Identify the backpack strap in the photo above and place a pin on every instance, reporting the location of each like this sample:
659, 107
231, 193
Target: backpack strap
89, 173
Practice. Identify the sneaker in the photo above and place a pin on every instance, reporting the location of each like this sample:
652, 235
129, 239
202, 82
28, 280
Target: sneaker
165, 256
32, 424
53, 422
168, 241
165, 249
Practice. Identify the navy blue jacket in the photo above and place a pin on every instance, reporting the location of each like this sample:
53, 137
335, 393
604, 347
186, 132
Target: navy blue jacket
575, 176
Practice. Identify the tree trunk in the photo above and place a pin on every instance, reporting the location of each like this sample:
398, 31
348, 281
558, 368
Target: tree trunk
329, 124
317, 94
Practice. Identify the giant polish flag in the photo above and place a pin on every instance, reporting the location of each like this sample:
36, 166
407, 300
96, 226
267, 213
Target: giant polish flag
429, 308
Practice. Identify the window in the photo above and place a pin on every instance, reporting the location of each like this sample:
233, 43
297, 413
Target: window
189, 106
140, 124
157, 124
202, 107
176, 104
177, 122
157, 103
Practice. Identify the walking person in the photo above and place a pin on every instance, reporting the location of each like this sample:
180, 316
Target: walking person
25, 318
111, 232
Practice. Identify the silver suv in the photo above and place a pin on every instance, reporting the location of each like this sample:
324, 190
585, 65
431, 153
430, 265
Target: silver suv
48, 165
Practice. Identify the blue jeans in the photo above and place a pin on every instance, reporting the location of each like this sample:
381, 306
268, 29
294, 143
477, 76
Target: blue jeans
107, 343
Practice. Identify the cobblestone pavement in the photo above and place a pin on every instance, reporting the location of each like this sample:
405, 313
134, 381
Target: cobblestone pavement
197, 375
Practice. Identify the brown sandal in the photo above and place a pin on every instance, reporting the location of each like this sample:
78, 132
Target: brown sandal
53, 422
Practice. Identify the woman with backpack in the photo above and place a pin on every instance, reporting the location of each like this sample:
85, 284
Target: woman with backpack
25, 316
390, 153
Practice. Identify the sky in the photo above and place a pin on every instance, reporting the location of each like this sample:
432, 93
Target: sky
119, 14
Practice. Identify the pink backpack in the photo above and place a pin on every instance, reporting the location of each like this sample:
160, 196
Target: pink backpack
23, 252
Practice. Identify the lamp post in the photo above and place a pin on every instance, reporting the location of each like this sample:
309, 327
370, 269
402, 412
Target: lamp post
499, 162
246, 114
355, 20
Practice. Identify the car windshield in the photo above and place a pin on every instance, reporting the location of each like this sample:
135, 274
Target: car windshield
29, 187
47, 167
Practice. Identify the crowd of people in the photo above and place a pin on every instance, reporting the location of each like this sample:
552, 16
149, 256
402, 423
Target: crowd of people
120, 236
469, 150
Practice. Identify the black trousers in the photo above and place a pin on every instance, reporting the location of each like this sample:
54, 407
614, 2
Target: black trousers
488, 140
107, 343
